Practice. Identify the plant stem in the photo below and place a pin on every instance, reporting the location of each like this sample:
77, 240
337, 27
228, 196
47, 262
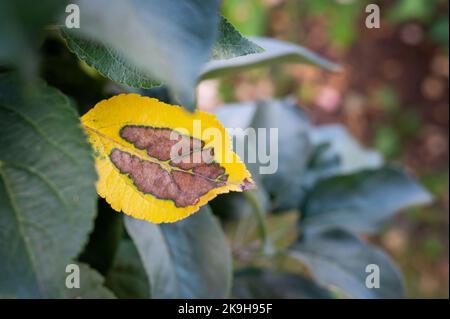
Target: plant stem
261, 218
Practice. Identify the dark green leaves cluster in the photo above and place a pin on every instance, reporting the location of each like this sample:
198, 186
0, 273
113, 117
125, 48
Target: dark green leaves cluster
336, 201
48, 204
178, 46
108, 60
339, 190
47, 193
338, 258
50, 215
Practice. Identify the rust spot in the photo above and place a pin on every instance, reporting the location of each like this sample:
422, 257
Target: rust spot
189, 179
211, 171
157, 141
194, 159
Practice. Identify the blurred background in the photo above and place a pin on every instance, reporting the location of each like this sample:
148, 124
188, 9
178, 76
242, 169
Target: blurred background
392, 95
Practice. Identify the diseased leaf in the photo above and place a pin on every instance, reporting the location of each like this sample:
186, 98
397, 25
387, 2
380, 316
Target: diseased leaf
337, 258
188, 259
274, 51
47, 193
230, 43
360, 202
159, 162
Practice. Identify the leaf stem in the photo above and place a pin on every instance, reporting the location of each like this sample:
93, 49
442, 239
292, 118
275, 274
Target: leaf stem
261, 218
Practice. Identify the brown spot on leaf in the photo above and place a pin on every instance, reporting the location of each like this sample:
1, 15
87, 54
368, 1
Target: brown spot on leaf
193, 173
157, 141
194, 159
211, 171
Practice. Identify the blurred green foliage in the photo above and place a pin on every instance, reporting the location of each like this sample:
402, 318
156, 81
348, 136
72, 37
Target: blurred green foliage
396, 128
250, 16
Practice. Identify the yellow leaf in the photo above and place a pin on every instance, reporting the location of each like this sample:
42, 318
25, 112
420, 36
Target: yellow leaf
140, 144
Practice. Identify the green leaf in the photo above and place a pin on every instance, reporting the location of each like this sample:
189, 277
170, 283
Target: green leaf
267, 284
47, 193
249, 16
404, 10
108, 61
91, 286
323, 162
360, 202
294, 148
337, 258
127, 278
187, 259
439, 31
113, 65
275, 51
230, 43
281, 173
22, 24
104, 241
168, 40
337, 153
